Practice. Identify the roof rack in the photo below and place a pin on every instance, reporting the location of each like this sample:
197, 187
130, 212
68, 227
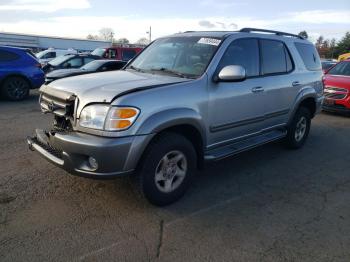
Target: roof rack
249, 30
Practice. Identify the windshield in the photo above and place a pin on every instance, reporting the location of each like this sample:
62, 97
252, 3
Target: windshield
92, 66
99, 52
342, 68
180, 56
59, 60
41, 54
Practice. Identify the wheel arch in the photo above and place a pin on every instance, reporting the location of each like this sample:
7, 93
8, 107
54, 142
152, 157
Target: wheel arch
306, 98
16, 75
185, 122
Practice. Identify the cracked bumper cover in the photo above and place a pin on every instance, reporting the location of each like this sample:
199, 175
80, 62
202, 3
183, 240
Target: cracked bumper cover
71, 151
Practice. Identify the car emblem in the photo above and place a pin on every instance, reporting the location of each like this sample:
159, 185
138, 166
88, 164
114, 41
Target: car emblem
51, 106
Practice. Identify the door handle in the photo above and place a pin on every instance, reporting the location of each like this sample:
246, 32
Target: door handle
296, 83
257, 89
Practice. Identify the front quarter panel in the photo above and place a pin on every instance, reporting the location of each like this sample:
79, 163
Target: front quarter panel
168, 106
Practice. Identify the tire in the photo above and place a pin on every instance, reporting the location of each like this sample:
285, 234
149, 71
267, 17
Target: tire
299, 129
15, 88
166, 170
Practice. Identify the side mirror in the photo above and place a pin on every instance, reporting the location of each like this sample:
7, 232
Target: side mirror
231, 73
67, 65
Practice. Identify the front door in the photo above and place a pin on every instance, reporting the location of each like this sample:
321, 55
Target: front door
236, 109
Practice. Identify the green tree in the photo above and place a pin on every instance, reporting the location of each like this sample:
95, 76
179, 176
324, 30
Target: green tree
304, 34
343, 45
123, 41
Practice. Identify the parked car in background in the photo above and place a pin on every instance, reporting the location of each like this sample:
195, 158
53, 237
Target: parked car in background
337, 88
69, 61
51, 53
92, 67
186, 99
344, 57
327, 64
118, 53
20, 71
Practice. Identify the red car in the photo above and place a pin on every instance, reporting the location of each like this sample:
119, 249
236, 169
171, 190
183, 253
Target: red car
337, 88
117, 53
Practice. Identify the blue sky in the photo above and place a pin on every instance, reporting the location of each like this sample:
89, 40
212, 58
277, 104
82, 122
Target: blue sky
131, 19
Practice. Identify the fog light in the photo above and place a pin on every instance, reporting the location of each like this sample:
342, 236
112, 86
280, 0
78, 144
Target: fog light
93, 163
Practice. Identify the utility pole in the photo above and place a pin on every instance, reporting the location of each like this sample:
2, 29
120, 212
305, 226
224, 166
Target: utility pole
150, 34
112, 35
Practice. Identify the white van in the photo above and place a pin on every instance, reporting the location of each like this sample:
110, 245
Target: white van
51, 53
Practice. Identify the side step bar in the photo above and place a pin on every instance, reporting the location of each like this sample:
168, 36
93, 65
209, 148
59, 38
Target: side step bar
243, 145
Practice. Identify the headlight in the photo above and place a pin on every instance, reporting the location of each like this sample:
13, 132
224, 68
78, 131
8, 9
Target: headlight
94, 116
103, 117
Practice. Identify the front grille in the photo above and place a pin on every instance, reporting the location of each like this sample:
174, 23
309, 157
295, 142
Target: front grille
53, 151
335, 93
60, 103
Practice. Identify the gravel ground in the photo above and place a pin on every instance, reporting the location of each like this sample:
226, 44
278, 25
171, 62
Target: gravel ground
268, 204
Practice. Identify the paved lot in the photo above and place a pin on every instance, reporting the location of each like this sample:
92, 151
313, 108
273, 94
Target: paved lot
269, 204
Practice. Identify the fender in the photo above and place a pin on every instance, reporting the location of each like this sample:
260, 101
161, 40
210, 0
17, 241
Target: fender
173, 117
304, 93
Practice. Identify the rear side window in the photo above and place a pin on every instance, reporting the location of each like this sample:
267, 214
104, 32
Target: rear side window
112, 53
128, 55
243, 52
309, 55
88, 60
275, 57
6, 56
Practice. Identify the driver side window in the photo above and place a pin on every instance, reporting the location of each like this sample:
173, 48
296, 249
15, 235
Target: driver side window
243, 52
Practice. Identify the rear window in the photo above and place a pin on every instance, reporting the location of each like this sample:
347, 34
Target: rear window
128, 55
309, 56
6, 56
275, 58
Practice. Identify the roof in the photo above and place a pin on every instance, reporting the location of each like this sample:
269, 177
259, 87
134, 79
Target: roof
253, 31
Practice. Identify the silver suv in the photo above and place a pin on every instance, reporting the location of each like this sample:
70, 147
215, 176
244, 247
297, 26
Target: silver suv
186, 99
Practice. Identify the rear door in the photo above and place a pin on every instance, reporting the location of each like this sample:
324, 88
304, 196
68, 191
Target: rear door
278, 82
9, 62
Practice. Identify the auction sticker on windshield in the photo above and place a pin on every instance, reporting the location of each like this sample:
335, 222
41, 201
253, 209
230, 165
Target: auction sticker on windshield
209, 41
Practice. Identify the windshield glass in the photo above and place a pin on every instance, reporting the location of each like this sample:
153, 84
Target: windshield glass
99, 52
59, 60
92, 66
180, 56
342, 68
41, 54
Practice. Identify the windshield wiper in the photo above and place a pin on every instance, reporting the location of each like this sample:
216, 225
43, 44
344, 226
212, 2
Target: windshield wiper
136, 69
169, 71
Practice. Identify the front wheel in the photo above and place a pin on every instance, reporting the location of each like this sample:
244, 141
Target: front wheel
167, 169
299, 129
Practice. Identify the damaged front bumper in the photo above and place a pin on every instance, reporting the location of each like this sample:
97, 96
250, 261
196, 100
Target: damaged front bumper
71, 151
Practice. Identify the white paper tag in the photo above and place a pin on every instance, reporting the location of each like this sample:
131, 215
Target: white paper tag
209, 41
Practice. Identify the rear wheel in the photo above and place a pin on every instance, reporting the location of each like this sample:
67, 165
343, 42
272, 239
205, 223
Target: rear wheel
299, 129
15, 88
167, 169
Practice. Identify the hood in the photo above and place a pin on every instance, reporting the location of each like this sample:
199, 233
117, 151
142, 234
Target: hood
104, 87
64, 72
337, 81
